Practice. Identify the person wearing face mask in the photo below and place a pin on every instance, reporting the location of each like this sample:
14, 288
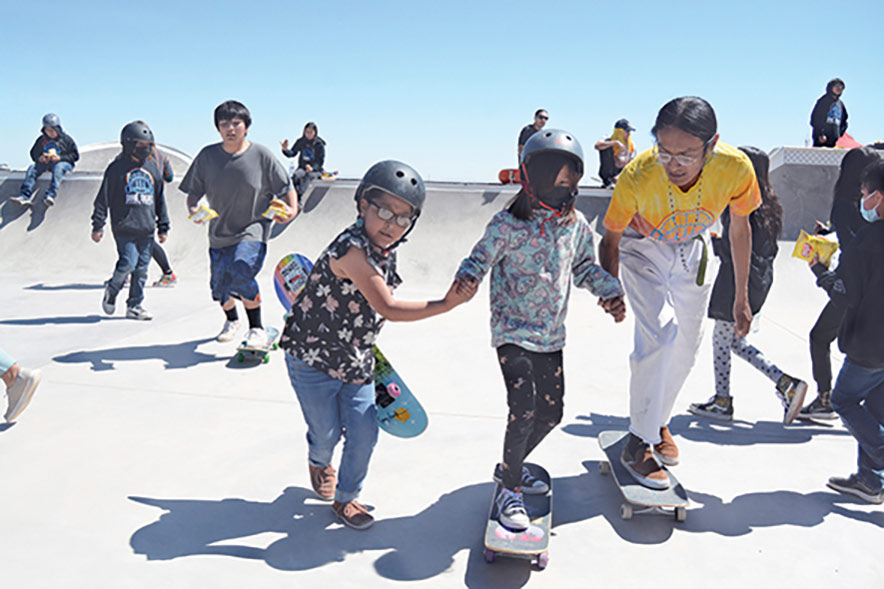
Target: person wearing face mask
657, 233
534, 250
132, 194
858, 286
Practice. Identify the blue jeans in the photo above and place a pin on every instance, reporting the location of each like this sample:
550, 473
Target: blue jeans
859, 399
59, 169
234, 268
134, 258
333, 408
6, 361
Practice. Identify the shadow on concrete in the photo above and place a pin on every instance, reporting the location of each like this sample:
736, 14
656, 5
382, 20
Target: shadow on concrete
175, 356
71, 286
70, 320
725, 433
9, 211
414, 548
38, 212
737, 517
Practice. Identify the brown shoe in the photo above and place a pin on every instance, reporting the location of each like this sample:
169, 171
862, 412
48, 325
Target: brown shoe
666, 451
353, 514
324, 480
638, 458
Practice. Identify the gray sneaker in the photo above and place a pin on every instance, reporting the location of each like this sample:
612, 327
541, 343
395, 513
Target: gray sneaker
109, 301
228, 332
511, 508
791, 391
530, 484
138, 312
819, 408
718, 407
21, 391
853, 485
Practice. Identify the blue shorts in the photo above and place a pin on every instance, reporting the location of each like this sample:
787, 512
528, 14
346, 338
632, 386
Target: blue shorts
234, 268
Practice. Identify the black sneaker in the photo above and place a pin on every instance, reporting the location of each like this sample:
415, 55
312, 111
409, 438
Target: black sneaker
791, 391
819, 408
852, 485
109, 302
718, 407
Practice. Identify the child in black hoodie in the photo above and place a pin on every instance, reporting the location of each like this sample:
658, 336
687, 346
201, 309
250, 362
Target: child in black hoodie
132, 191
55, 152
858, 283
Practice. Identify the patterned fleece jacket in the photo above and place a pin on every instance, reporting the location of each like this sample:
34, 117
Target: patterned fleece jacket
531, 264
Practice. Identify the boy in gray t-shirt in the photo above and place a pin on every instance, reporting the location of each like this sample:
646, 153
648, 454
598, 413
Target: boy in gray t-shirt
239, 179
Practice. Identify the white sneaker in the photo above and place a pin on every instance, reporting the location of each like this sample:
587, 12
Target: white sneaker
21, 201
512, 514
109, 301
256, 337
228, 332
21, 391
138, 312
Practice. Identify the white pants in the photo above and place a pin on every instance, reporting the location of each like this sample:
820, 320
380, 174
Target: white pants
661, 286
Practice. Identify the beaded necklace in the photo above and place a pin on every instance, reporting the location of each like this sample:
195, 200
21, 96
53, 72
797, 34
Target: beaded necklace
681, 246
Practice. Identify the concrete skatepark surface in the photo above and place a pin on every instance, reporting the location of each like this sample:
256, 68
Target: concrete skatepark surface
150, 458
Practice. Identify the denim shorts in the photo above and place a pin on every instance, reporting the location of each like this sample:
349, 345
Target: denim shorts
234, 268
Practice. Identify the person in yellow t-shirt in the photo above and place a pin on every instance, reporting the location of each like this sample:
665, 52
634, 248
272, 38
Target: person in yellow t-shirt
656, 231
615, 152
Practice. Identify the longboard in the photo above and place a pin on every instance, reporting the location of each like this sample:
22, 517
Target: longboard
672, 501
530, 544
261, 352
399, 412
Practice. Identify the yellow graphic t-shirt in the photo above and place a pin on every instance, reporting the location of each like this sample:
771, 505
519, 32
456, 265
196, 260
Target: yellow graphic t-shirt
645, 199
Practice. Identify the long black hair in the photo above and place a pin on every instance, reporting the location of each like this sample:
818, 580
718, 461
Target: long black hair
770, 213
691, 114
852, 165
310, 125
542, 171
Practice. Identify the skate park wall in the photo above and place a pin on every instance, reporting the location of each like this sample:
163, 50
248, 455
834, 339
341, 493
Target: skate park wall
56, 242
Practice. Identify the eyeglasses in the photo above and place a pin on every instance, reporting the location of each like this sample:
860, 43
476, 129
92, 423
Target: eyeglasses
683, 160
542, 118
385, 214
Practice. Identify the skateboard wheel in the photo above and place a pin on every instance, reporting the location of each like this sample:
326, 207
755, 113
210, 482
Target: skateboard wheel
265, 359
489, 555
681, 514
240, 358
542, 560
275, 346
625, 511
604, 467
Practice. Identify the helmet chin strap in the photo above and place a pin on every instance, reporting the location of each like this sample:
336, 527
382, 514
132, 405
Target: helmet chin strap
526, 186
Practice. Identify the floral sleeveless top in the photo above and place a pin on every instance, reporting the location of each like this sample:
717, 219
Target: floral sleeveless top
331, 327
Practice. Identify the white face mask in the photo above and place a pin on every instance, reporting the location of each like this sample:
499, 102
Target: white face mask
870, 215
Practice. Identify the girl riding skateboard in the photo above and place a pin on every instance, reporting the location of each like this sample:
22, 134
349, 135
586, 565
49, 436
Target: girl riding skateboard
532, 249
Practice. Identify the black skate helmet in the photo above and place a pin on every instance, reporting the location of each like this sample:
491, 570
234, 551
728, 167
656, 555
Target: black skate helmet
550, 140
397, 178
51, 119
400, 180
135, 131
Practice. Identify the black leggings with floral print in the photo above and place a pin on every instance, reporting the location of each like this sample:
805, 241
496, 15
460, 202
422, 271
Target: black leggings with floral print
535, 390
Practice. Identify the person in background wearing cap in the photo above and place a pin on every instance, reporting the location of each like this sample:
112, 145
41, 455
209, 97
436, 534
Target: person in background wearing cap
540, 119
53, 151
615, 152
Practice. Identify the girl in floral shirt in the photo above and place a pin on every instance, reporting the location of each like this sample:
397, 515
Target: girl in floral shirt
333, 326
534, 249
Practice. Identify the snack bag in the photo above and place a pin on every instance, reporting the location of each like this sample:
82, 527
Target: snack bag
808, 245
202, 215
277, 207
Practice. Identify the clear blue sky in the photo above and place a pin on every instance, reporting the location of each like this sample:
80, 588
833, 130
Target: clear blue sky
443, 85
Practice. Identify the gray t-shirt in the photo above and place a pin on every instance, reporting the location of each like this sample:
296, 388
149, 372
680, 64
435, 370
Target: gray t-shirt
239, 188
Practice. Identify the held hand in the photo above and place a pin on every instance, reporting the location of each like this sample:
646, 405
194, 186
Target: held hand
43, 158
615, 307
742, 317
823, 138
192, 209
97, 235
819, 228
162, 237
54, 158
461, 290
815, 260
285, 144
309, 168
